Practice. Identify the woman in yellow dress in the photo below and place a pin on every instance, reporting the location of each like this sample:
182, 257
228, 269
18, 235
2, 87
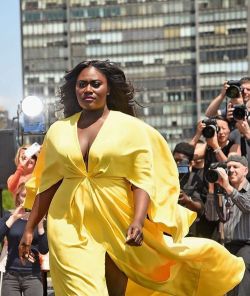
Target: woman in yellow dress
110, 186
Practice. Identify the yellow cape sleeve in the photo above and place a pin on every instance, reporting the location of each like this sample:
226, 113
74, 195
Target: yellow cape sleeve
46, 172
154, 170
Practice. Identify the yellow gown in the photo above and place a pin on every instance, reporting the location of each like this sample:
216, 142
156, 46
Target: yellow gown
93, 208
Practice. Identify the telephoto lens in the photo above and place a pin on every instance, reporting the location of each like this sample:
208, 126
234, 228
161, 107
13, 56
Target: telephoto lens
212, 174
240, 112
209, 131
210, 128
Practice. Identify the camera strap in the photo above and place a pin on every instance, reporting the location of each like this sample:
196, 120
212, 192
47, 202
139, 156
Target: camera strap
222, 206
226, 105
243, 147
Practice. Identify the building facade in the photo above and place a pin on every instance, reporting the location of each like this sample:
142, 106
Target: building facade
177, 53
4, 119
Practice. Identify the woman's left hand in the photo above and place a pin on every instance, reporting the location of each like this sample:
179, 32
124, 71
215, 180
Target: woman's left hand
134, 234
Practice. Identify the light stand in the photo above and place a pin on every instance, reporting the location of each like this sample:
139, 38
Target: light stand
30, 110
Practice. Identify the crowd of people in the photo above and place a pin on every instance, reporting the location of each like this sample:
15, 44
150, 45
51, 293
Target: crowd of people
126, 216
20, 279
221, 146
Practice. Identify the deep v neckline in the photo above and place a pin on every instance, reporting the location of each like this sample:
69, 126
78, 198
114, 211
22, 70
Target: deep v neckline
87, 163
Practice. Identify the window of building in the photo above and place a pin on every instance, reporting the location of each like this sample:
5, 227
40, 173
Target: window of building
51, 91
236, 30
111, 11
31, 5
78, 13
32, 80
93, 24
93, 12
32, 16
51, 80
53, 15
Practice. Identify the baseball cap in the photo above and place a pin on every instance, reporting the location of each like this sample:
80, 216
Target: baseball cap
238, 158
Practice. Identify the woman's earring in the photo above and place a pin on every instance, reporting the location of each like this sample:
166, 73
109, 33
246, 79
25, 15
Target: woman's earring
108, 94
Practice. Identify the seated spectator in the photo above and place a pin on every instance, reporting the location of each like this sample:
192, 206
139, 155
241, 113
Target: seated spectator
20, 278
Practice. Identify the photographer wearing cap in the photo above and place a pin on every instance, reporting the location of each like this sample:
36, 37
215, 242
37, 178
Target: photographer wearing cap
190, 183
238, 93
237, 228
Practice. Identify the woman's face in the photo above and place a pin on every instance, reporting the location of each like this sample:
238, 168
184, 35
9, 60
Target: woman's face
224, 132
91, 89
20, 197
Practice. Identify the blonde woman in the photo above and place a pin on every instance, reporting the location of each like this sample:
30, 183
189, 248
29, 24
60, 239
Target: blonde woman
25, 166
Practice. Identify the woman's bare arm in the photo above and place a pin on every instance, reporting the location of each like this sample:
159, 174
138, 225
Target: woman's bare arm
141, 203
39, 209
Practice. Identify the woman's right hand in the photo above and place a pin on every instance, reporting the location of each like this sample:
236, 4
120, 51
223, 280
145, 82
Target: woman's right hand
17, 214
134, 234
200, 127
24, 248
224, 88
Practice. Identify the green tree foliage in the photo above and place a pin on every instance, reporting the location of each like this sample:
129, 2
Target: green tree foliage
8, 201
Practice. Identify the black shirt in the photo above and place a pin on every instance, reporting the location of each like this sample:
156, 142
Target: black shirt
14, 235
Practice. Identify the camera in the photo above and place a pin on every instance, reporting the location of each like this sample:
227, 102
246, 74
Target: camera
210, 128
212, 174
234, 89
240, 112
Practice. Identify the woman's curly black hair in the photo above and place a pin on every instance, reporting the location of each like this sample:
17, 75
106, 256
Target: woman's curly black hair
121, 94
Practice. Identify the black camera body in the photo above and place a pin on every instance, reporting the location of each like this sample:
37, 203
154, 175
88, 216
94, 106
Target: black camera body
240, 112
210, 128
212, 174
234, 89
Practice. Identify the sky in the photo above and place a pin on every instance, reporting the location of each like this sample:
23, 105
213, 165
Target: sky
10, 56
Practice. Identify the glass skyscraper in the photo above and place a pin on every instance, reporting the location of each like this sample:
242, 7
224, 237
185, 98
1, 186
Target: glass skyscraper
177, 53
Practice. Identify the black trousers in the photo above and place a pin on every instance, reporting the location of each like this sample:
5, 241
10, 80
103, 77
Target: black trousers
241, 249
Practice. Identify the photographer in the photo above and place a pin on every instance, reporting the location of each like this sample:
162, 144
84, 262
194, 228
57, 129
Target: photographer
237, 228
237, 91
190, 183
218, 145
216, 149
241, 135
